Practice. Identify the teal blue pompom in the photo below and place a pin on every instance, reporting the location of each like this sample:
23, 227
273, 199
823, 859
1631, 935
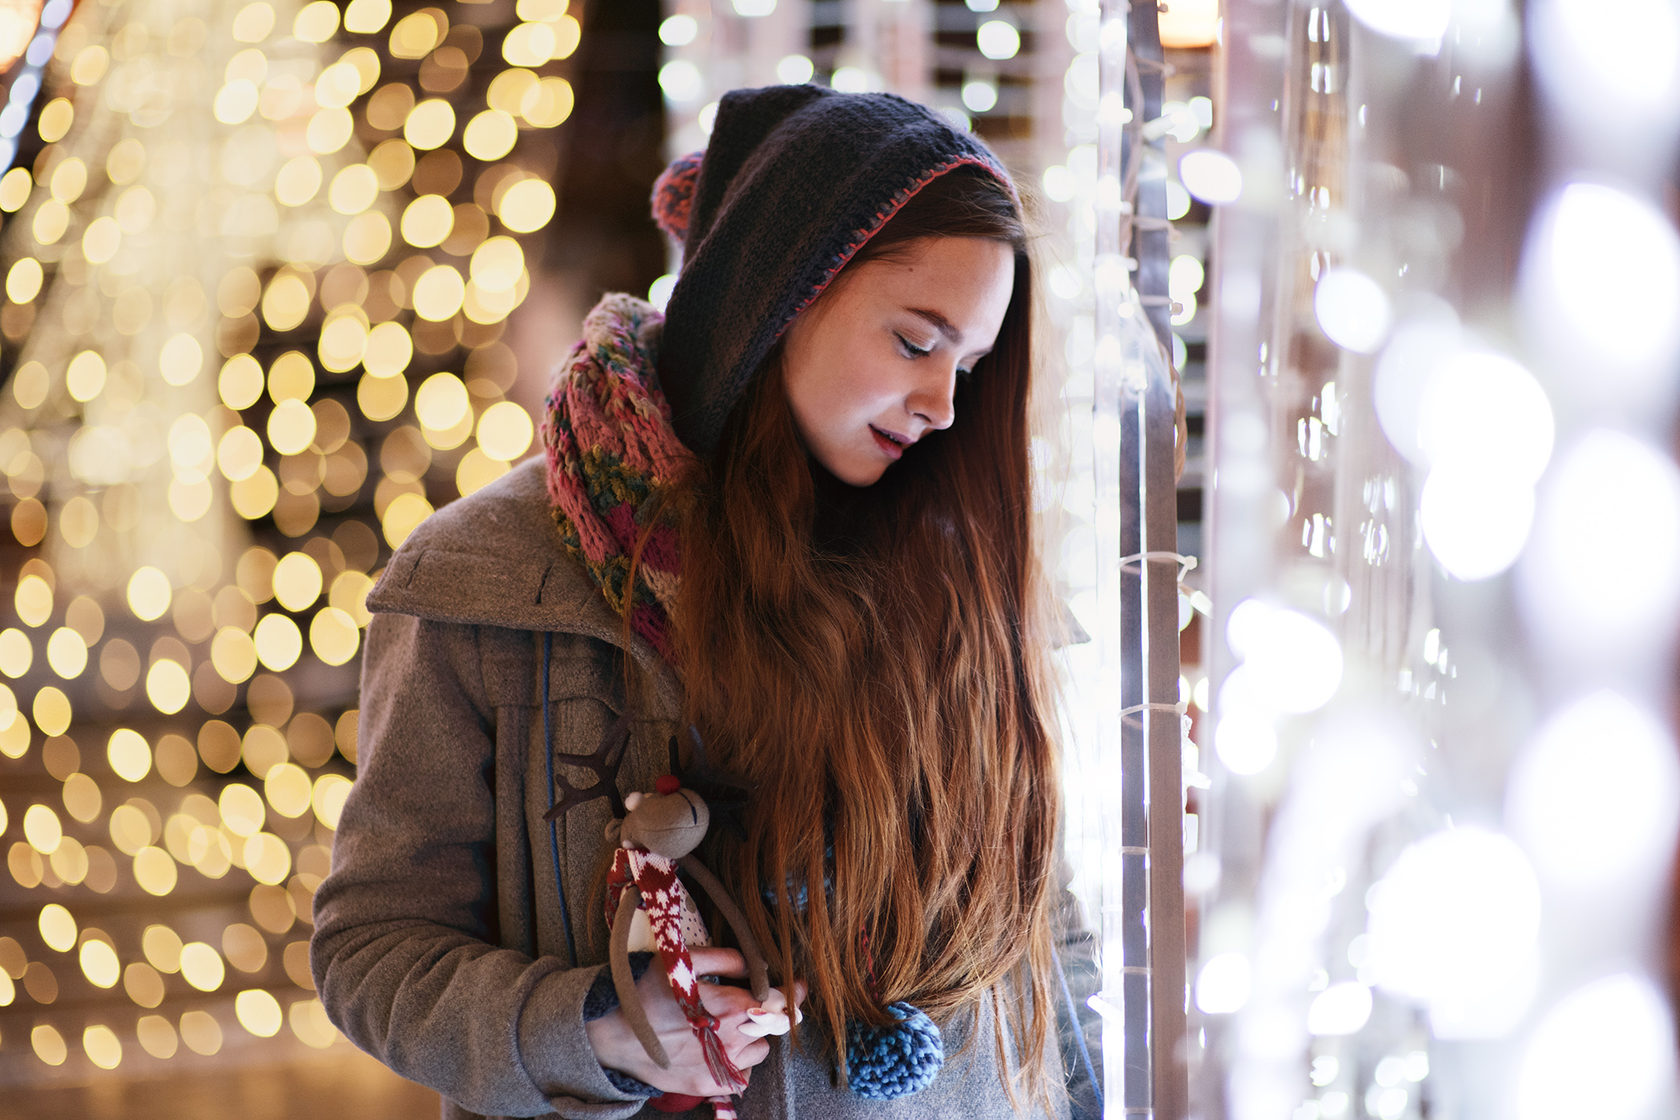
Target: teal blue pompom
886, 1063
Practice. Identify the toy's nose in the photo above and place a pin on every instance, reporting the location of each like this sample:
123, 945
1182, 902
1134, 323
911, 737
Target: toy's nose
667, 784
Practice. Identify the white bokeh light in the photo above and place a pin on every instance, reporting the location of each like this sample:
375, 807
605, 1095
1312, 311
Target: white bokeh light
998, 39
1483, 410
1352, 309
1211, 176
979, 95
1420, 21
1605, 1051
1341, 1009
1608, 768
1422, 341
1601, 280
1603, 570
1224, 983
795, 70
1454, 925
1475, 521
681, 81
1622, 59
1245, 740
1294, 661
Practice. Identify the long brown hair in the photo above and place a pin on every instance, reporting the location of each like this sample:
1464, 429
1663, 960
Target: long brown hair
872, 662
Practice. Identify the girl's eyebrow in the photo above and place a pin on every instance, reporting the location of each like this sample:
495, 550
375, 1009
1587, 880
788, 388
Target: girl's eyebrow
944, 327
938, 322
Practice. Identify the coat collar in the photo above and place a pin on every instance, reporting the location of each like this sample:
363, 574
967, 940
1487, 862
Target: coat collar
494, 558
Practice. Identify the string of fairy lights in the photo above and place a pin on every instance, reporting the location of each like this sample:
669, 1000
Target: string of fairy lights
258, 266
1439, 871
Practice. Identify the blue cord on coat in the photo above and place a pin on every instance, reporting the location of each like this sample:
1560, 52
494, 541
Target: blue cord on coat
554, 822
1078, 1031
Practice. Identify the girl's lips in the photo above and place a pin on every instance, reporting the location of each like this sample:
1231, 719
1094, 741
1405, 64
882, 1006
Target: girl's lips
893, 448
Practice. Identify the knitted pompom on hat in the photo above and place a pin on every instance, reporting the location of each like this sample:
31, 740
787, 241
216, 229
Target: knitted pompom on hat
673, 195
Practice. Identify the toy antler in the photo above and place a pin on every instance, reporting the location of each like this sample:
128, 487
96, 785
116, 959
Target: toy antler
604, 764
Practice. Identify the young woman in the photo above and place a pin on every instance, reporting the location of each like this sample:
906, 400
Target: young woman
790, 520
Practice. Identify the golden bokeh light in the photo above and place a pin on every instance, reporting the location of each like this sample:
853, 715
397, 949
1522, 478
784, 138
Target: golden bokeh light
168, 686
23, 280
130, 828
291, 377
239, 453
42, 829
427, 221
253, 23
99, 964
33, 600
234, 654
58, 928
490, 135
526, 206
201, 966
415, 35
55, 120
316, 22
51, 711
267, 858
354, 189
67, 653
16, 652
298, 180
155, 1034
291, 427
149, 593
430, 124
82, 799
259, 1012
162, 948
48, 1044
337, 86
102, 1046
367, 17
378, 175
403, 516
199, 1029
334, 636
240, 383
279, 642
155, 871
129, 754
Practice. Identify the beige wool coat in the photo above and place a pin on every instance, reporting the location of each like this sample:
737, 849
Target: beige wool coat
440, 943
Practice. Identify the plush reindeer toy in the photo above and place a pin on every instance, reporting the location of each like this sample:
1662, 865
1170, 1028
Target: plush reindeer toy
648, 908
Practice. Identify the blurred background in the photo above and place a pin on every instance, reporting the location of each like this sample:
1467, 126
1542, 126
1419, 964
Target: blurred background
1397, 635
281, 278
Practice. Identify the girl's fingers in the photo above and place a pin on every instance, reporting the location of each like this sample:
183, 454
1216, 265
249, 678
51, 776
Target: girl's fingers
711, 961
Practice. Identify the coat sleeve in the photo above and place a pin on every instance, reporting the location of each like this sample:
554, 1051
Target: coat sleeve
404, 953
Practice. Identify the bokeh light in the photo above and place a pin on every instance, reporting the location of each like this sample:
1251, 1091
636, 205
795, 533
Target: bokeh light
207, 471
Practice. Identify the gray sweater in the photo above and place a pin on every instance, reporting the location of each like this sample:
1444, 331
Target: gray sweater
440, 942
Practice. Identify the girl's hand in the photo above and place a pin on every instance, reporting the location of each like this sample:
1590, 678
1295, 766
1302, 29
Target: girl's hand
616, 1046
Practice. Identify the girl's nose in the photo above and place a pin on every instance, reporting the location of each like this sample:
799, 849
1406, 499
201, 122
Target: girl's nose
934, 401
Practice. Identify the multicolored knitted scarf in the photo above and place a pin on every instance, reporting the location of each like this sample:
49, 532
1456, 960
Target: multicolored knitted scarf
611, 451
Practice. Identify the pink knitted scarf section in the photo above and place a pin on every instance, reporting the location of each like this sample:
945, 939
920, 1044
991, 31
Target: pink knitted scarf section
611, 452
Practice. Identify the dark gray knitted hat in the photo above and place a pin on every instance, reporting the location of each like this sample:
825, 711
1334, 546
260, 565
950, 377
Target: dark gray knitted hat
792, 183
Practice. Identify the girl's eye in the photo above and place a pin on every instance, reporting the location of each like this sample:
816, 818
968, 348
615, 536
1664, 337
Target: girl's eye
911, 350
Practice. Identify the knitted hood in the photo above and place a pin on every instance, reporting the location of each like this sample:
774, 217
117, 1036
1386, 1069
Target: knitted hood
792, 183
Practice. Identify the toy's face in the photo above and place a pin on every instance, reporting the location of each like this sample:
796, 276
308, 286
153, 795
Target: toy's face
670, 824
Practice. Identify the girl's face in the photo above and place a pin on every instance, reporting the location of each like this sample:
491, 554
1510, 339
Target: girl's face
872, 365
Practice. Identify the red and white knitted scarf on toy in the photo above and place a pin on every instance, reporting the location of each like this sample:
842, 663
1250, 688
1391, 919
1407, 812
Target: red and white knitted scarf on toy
663, 897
